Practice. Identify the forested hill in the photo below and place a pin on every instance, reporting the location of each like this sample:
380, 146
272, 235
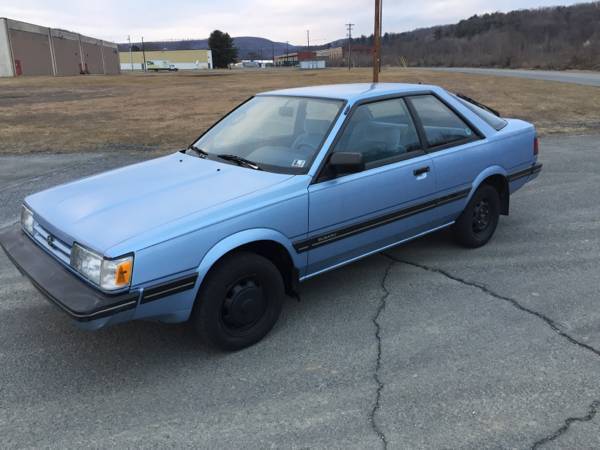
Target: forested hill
550, 38
249, 47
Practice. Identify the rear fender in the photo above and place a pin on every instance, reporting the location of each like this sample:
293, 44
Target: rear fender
489, 172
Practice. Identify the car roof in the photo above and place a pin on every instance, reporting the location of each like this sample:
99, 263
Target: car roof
352, 92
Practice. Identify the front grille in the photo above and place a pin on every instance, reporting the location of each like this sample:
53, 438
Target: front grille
51, 243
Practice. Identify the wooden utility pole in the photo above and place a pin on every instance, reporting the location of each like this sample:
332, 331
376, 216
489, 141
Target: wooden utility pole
144, 54
377, 42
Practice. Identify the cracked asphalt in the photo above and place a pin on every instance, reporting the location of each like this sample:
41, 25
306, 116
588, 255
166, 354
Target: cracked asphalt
426, 346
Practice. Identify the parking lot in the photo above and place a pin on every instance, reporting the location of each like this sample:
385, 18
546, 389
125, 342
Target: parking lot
427, 346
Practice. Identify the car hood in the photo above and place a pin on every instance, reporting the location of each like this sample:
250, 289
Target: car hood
103, 210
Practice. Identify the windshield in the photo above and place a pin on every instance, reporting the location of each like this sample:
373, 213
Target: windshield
276, 133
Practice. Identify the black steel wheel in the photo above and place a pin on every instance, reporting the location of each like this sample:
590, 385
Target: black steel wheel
239, 302
481, 215
477, 223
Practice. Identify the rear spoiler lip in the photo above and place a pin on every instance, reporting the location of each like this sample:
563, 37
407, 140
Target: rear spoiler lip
476, 103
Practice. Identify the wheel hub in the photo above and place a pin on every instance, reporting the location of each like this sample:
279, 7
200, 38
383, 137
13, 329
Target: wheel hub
481, 216
244, 305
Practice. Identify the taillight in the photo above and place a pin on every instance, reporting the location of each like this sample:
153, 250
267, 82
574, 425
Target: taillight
536, 146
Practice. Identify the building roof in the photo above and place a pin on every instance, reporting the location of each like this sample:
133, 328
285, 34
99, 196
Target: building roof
354, 91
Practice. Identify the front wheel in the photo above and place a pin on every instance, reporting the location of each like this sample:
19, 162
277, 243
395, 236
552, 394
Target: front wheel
239, 301
477, 223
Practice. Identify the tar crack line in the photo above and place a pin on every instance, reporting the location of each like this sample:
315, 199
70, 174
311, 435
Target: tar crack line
551, 323
593, 410
378, 382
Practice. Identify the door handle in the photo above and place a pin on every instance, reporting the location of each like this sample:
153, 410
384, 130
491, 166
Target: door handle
420, 171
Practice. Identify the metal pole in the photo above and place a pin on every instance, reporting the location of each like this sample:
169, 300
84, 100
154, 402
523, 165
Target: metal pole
377, 41
144, 54
349, 26
308, 40
130, 52
287, 52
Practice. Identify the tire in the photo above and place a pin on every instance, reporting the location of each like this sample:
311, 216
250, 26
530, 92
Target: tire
239, 301
477, 223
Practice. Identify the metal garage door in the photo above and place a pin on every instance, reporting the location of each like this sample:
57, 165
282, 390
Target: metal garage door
31, 52
111, 61
92, 56
66, 54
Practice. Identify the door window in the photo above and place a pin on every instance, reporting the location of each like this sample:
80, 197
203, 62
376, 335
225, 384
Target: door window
441, 125
381, 131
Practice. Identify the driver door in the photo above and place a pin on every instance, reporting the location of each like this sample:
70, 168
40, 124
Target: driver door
354, 214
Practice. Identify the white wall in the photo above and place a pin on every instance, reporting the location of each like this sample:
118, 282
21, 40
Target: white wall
191, 66
209, 59
316, 64
127, 66
181, 66
7, 69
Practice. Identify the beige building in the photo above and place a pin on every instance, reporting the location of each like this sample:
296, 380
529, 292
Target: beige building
331, 54
27, 49
181, 59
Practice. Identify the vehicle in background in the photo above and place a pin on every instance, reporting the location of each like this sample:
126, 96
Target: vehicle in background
157, 65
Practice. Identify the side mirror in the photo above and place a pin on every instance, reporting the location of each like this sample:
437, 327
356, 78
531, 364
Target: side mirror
346, 162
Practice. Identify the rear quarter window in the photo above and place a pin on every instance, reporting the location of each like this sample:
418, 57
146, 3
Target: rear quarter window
491, 119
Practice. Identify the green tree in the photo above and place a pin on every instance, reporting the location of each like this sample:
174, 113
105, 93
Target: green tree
223, 50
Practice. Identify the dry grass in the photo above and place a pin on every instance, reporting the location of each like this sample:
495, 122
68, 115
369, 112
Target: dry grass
166, 111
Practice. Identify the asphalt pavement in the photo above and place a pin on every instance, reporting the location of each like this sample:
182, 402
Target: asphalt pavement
588, 78
428, 346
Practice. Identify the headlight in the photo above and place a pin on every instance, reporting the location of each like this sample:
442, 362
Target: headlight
109, 274
26, 219
87, 263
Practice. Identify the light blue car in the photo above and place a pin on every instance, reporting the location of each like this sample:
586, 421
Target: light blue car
290, 184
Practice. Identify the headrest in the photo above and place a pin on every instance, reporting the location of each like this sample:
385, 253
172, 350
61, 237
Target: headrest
313, 126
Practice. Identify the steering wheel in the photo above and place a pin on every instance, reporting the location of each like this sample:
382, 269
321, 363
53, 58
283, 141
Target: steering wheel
306, 148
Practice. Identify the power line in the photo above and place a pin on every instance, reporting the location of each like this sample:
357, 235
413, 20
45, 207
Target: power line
349, 29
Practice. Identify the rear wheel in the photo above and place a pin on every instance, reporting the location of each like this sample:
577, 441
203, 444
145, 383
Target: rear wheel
479, 220
239, 301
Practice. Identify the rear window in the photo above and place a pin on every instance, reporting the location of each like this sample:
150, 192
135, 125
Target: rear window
491, 119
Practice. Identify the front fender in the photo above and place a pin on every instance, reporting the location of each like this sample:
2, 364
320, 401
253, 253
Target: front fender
246, 237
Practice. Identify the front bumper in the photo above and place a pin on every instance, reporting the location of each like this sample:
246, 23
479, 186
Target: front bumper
63, 288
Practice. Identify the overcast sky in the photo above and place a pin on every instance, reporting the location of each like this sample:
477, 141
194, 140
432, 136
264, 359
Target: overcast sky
279, 20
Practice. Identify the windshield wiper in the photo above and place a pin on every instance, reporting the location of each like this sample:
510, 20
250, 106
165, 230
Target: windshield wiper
201, 153
240, 161
476, 103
